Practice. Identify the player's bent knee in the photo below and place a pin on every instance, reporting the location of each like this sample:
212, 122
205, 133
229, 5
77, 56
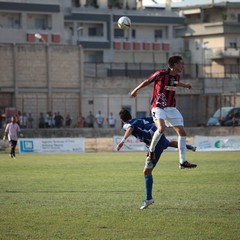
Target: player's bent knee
148, 165
161, 129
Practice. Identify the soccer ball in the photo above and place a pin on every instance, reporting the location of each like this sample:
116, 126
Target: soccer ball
124, 23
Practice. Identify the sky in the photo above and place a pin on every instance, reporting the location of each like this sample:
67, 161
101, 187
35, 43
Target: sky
179, 3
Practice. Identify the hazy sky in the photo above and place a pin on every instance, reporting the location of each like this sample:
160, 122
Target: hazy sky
177, 3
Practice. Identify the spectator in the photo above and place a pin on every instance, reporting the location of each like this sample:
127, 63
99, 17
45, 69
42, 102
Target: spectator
41, 121
80, 121
1, 120
22, 120
46, 118
111, 120
59, 120
99, 119
90, 120
68, 121
30, 121
50, 120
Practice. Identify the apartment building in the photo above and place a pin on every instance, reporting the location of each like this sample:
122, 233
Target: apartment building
93, 25
212, 38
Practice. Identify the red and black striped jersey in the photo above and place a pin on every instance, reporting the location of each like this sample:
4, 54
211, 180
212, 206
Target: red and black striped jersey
164, 89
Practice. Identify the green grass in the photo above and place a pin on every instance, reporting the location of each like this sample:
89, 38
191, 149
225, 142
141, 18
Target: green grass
97, 196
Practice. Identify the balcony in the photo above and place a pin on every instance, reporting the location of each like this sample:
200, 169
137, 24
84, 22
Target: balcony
220, 53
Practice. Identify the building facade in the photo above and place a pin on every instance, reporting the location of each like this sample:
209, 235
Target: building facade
82, 62
212, 37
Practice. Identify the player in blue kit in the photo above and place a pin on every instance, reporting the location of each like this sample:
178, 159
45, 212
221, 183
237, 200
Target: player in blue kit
143, 129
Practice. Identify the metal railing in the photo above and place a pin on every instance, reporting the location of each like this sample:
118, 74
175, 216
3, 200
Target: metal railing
143, 70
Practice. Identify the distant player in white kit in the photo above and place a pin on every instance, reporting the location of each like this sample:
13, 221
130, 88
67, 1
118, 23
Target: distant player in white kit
11, 133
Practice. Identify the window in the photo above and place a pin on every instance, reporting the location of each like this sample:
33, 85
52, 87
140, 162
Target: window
76, 3
92, 3
96, 31
133, 33
10, 20
92, 32
233, 42
158, 34
118, 33
233, 45
93, 56
41, 22
115, 3
239, 18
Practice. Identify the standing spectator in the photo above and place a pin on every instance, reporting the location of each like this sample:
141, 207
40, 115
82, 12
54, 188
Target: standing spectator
51, 121
68, 121
11, 133
1, 120
30, 121
59, 120
163, 105
80, 121
25, 120
99, 119
46, 118
90, 120
41, 121
111, 120
20, 119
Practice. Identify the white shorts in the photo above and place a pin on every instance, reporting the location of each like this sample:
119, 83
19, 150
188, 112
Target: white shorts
170, 115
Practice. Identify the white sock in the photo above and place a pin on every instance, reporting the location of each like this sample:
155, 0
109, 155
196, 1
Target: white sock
156, 137
182, 148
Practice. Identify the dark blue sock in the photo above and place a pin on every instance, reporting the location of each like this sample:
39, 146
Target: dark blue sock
148, 186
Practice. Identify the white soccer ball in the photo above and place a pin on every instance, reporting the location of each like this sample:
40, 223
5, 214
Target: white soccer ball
124, 23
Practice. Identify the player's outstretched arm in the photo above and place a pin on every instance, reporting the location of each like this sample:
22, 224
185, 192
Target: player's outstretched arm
184, 85
125, 137
140, 86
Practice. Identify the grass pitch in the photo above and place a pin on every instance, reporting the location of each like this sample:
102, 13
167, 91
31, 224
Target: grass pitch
98, 195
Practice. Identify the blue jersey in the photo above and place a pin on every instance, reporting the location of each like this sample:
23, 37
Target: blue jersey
143, 128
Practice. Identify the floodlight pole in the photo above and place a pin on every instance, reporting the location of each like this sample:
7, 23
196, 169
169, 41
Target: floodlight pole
79, 33
48, 68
